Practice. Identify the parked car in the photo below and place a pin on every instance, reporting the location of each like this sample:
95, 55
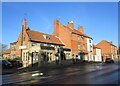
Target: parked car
6, 64
109, 60
15, 63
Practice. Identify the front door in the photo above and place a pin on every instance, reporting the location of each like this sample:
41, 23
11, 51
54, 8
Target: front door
34, 58
80, 56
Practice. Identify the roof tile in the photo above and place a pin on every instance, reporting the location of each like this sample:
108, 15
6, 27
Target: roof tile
38, 37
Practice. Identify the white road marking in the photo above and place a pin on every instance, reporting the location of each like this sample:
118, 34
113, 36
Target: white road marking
37, 74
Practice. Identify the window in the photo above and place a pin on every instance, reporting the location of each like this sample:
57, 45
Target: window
78, 37
89, 41
91, 48
49, 45
33, 43
41, 44
46, 37
13, 47
78, 46
82, 38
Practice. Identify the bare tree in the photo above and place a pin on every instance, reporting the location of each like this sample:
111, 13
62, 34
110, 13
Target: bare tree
3, 47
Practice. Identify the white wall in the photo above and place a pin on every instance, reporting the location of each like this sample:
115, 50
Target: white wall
98, 55
90, 54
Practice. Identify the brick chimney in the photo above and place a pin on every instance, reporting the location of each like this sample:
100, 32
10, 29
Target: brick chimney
71, 24
111, 42
24, 25
56, 27
81, 29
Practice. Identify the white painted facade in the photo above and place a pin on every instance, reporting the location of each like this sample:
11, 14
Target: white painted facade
97, 56
90, 49
35, 49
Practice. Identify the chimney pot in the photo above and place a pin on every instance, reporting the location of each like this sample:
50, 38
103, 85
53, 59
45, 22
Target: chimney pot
71, 24
81, 29
111, 42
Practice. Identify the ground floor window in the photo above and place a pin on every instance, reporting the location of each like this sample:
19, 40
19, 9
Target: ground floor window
67, 55
35, 57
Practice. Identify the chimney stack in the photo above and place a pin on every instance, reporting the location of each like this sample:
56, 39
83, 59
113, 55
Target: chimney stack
81, 29
71, 24
24, 25
111, 42
56, 27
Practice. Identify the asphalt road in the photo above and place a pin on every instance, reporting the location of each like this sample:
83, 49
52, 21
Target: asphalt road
84, 74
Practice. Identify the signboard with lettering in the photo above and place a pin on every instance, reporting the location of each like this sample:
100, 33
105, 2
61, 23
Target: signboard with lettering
22, 47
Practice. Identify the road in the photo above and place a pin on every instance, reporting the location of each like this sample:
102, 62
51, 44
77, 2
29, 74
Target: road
84, 74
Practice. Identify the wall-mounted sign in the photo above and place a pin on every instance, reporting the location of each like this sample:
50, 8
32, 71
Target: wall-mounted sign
22, 47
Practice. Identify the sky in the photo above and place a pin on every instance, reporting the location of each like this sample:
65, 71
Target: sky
99, 19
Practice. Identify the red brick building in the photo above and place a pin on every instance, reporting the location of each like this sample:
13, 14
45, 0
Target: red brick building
75, 40
108, 49
64, 38
32, 43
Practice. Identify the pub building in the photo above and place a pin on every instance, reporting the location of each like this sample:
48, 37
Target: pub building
33, 46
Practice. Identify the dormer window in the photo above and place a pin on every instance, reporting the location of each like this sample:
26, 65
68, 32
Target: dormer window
46, 37
13, 47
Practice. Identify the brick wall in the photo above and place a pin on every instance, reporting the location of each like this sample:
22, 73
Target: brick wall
70, 39
17, 52
108, 48
63, 33
105, 47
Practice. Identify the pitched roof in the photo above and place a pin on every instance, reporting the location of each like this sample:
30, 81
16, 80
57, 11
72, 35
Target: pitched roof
95, 46
39, 37
77, 32
110, 43
8, 51
13, 42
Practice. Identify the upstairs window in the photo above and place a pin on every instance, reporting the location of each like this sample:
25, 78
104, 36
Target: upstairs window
82, 38
46, 37
89, 41
91, 48
34, 44
13, 47
78, 37
78, 46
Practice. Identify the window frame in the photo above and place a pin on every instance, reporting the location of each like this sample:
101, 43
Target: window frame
78, 46
79, 37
